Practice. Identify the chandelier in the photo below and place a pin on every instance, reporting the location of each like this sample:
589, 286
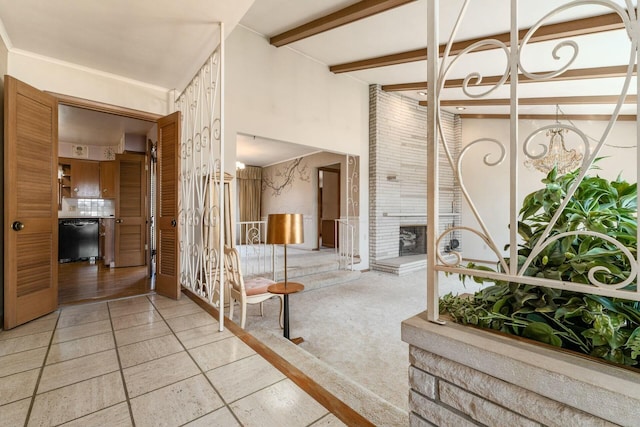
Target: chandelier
557, 154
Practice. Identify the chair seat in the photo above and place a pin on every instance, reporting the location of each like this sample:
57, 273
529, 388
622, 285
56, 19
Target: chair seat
257, 285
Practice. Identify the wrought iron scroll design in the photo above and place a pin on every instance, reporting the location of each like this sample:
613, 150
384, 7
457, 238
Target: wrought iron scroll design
513, 54
200, 181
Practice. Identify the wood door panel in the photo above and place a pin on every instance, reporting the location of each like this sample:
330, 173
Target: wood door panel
30, 202
168, 167
131, 210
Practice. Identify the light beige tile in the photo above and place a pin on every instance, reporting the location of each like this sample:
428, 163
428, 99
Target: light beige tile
15, 414
23, 361
136, 319
33, 327
27, 342
190, 321
81, 331
179, 310
131, 309
80, 347
161, 301
146, 376
329, 421
141, 333
144, 351
86, 308
74, 318
125, 302
176, 404
202, 335
210, 356
114, 416
281, 404
77, 400
219, 417
241, 378
77, 370
18, 386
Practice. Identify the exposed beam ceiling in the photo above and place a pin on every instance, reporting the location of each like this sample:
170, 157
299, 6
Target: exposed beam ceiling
624, 118
578, 27
577, 74
355, 12
567, 100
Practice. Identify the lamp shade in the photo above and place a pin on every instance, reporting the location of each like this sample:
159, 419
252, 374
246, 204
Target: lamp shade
284, 229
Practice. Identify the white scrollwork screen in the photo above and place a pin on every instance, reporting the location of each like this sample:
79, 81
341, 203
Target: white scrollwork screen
520, 148
200, 181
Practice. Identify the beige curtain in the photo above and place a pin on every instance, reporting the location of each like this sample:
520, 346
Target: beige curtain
249, 195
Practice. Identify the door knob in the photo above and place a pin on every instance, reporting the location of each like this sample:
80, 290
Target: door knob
17, 225
118, 220
173, 223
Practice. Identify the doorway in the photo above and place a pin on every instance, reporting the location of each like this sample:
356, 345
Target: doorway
328, 205
127, 271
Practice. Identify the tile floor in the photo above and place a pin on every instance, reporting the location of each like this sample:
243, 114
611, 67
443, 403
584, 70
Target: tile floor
143, 361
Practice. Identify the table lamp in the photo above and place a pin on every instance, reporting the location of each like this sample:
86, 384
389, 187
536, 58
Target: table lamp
285, 229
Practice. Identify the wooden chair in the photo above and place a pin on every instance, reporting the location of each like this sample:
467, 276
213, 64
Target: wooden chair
251, 291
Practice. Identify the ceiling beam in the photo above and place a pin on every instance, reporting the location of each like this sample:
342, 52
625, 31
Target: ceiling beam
355, 12
578, 74
553, 100
578, 27
606, 117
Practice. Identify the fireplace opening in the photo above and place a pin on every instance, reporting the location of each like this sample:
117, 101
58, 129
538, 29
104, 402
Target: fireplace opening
413, 240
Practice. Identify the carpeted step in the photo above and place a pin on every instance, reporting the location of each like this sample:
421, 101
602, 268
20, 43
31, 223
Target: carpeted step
329, 278
366, 403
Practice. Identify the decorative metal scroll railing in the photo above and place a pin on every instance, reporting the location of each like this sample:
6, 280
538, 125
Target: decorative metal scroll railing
345, 237
255, 254
518, 149
200, 180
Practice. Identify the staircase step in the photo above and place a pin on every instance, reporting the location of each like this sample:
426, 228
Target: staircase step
365, 402
329, 278
306, 269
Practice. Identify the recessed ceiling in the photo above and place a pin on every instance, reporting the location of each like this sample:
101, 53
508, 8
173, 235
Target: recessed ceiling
256, 151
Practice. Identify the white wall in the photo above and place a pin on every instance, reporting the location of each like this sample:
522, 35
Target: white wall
69, 79
489, 186
279, 94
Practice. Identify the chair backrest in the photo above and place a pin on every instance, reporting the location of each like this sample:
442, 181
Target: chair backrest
233, 273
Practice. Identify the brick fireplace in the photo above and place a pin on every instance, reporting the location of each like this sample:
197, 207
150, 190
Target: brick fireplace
397, 172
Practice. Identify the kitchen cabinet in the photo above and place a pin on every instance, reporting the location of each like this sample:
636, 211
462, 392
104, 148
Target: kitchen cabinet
83, 177
108, 179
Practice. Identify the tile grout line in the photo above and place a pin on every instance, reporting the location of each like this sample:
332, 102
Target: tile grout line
44, 361
124, 384
201, 372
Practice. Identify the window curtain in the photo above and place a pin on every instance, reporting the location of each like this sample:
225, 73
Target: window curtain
249, 196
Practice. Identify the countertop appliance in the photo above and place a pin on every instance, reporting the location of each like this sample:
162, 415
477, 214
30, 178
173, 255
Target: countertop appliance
77, 239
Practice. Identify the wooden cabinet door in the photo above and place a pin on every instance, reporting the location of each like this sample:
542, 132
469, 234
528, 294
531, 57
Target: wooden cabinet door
168, 167
85, 178
131, 210
30, 203
108, 180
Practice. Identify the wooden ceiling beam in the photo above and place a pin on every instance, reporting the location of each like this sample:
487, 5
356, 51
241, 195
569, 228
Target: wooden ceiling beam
553, 100
355, 12
605, 117
578, 74
578, 27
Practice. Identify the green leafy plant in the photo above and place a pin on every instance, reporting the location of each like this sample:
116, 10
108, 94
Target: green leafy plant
607, 328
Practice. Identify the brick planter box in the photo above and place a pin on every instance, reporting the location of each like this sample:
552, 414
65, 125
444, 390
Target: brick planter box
462, 376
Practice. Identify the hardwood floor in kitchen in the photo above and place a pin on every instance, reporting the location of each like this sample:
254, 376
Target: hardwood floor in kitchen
83, 282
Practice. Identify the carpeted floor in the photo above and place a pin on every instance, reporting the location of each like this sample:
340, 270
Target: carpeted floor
355, 327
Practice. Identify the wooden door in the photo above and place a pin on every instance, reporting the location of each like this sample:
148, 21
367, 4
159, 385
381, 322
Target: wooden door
131, 210
167, 169
330, 208
30, 203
